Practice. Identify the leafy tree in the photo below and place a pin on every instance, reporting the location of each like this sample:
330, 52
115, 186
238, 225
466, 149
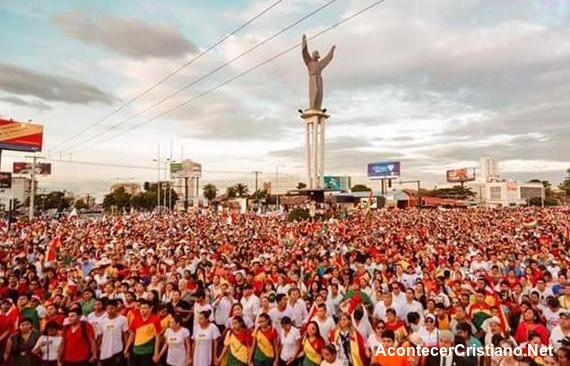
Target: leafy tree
241, 190
52, 200
231, 192
80, 204
301, 185
360, 188
119, 198
454, 192
537, 201
565, 185
298, 214
210, 192
259, 194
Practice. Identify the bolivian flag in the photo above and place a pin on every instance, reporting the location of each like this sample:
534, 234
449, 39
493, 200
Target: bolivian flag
238, 344
479, 313
264, 345
312, 352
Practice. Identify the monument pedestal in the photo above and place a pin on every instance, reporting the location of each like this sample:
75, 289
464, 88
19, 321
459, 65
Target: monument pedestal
315, 146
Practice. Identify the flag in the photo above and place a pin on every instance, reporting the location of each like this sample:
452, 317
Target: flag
51, 250
530, 223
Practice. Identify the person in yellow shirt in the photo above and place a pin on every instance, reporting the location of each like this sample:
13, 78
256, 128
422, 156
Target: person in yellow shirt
564, 300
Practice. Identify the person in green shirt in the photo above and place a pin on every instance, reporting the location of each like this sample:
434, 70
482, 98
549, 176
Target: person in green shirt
87, 302
28, 311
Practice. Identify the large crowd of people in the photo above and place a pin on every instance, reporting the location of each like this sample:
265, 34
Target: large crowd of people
204, 288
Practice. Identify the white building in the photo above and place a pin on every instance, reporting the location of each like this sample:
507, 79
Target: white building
21, 188
505, 194
488, 169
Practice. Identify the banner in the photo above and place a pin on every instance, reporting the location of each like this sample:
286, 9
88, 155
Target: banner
5, 180
26, 168
384, 169
461, 175
20, 136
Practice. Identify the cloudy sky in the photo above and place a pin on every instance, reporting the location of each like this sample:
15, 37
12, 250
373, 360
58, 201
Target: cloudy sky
434, 84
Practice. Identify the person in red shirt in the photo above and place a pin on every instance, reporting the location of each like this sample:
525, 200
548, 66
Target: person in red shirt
79, 347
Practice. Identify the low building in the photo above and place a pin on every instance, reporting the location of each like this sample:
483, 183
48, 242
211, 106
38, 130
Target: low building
506, 193
130, 188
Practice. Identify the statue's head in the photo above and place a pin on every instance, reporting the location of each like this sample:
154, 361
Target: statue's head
316, 55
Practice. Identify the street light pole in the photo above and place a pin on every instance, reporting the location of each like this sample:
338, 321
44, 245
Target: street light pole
277, 186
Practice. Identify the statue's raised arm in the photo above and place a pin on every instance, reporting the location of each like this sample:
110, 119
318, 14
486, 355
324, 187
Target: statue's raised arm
328, 58
306, 56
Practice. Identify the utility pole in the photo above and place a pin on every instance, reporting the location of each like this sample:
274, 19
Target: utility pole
256, 172
277, 186
158, 178
33, 186
419, 189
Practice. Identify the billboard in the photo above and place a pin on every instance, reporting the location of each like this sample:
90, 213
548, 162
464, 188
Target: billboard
384, 169
460, 175
338, 183
20, 136
5, 180
26, 168
175, 167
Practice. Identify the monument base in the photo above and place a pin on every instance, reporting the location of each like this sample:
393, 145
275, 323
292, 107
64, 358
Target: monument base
315, 146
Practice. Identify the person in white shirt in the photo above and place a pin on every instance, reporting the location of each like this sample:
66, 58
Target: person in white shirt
280, 311
48, 345
334, 299
298, 306
290, 340
95, 317
410, 305
205, 345
429, 333
200, 306
551, 312
330, 356
114, 329
543, 291
325, 323
176, 344
382, 306
250, 303
223, 305
561, 331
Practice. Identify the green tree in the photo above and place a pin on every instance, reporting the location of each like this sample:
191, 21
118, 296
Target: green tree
301, 185
259, 194
241, 190
360, 188
210, 192
231, 192
565, 185
80, 204
119, 198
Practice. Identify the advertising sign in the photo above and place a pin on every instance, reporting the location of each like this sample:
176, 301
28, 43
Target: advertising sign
384, 169
26, 168
175, 167
20, 136
337, 183
461, 175
5, 180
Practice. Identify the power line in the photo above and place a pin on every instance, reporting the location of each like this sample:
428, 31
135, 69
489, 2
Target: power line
201, 78
170, 75
144, 167
240, 75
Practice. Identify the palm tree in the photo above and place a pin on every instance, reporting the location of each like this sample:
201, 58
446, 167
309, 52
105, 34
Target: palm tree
241, 190
210, 192
231, 192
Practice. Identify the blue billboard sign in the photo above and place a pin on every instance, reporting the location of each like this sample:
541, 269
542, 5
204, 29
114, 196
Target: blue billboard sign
384, 169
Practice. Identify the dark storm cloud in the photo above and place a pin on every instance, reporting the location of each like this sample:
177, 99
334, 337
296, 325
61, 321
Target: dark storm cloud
131, 37
21, 81
37, 105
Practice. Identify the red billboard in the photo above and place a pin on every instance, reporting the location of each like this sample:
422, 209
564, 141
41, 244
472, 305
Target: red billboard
461, 175
20, 136
26, 168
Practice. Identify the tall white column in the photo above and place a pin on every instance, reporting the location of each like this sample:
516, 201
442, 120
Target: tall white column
322, 150
315, 154
308, 153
